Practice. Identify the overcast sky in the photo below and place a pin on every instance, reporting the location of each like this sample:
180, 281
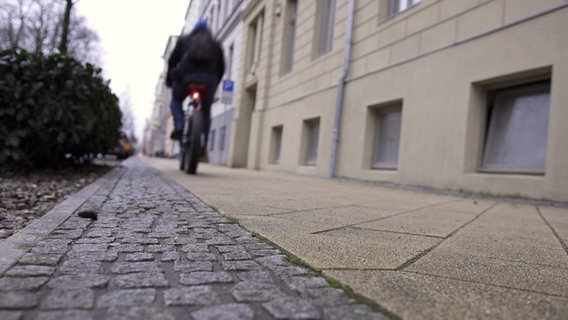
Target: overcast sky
133, 36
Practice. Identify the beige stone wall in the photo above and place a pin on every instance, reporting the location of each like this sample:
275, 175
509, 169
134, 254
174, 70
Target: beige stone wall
434, 57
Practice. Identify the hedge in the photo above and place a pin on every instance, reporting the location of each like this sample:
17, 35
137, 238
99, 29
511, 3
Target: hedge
53, 110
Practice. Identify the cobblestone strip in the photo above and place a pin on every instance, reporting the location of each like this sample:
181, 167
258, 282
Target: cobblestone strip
157, 252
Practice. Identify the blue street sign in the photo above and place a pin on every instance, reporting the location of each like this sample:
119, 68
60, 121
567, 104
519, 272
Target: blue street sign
228, 85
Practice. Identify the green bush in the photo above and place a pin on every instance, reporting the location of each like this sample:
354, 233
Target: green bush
53, 109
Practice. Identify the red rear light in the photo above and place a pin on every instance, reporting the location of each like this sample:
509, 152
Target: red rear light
195, 95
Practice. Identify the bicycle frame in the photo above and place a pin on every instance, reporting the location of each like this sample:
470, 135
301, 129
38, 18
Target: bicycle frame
191, 142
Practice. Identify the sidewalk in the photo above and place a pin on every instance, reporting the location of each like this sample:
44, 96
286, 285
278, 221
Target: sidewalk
155, 251
419, 255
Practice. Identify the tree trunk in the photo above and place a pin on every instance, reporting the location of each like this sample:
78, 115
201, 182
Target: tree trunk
65, 27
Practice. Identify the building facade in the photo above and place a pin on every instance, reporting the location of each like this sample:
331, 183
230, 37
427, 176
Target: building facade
454, 95
225, 20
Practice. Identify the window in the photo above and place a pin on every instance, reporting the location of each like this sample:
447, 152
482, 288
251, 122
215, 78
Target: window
222, 132
255, 36
289, 35
324, 26
387, 136
276, 143
212, 140
517, 129
396, 6
311, 129
230, 62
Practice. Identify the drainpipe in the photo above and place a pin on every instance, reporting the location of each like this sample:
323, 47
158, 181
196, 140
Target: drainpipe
341, 90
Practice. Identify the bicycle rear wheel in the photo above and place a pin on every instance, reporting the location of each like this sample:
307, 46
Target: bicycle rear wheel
194, 150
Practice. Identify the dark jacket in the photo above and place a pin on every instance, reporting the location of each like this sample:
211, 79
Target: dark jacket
178, 67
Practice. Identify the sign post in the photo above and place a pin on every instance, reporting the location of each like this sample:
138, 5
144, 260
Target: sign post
227, 93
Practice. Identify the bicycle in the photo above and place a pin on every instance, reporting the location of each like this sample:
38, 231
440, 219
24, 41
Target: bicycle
192, 139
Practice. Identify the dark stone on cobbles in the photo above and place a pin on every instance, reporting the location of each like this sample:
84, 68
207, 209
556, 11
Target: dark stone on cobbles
141, 280
69, 299
198, 295
233, 311
291, 308
130, 297
196, 278
17, 283
69, 282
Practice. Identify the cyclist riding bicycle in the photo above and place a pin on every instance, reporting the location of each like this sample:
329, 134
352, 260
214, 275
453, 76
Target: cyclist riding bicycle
197, 58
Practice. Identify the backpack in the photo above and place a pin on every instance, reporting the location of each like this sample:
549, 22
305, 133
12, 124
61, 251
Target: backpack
200, 49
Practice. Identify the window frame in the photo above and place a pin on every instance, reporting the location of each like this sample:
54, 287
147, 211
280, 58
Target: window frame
492, 97
378, 114
289, 30
276, 144
212, 140
311, 136
325, 23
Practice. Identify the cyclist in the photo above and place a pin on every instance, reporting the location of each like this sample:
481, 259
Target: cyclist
197, 58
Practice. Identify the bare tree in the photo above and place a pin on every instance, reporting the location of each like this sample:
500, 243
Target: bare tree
65, 26
128, 119
47, 26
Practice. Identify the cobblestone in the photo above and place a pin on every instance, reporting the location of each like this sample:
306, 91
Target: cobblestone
157, 252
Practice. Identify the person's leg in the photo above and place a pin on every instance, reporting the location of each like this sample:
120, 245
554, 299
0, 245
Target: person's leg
207, 101
178, 95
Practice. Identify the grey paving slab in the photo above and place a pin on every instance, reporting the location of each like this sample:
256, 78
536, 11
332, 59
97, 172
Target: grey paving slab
158, 252
415, 297
437, 221
558, 220
509, 232
349, 247
491, 271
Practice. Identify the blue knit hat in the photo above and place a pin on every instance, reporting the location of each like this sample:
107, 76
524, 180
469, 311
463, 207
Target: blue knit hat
201, 24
